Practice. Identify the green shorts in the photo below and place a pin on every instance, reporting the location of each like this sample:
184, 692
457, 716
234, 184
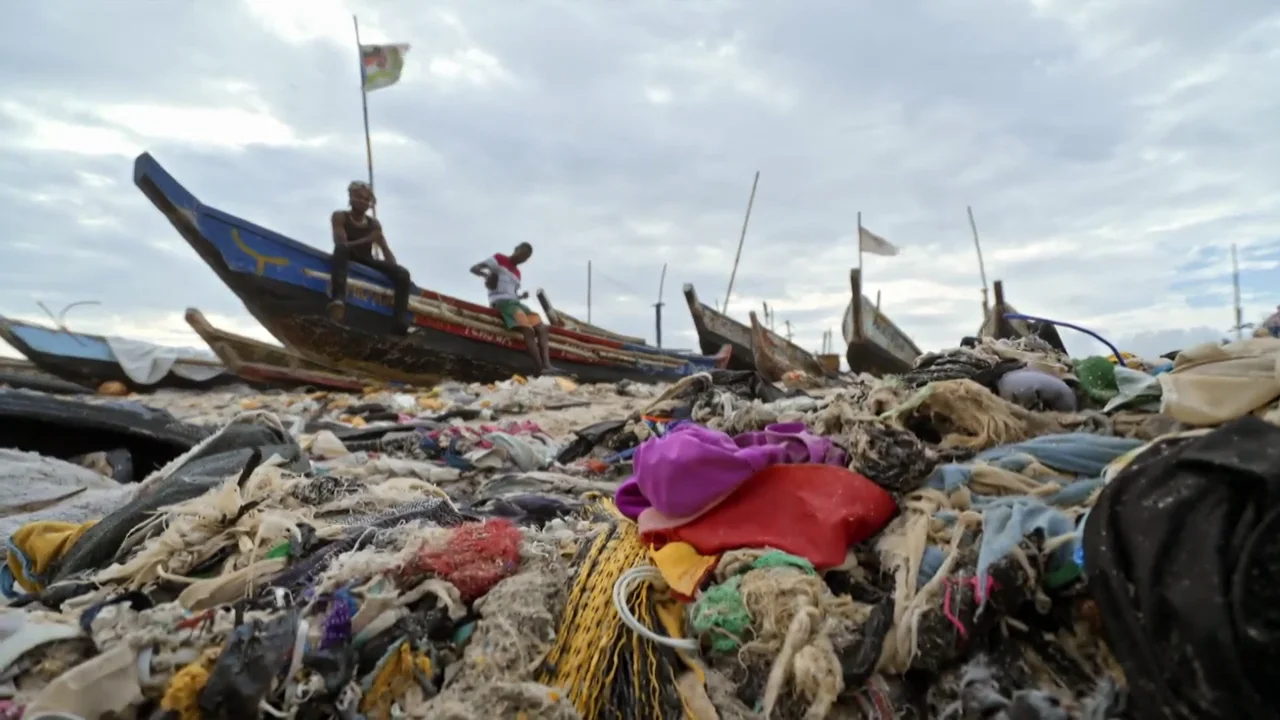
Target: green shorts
516, 315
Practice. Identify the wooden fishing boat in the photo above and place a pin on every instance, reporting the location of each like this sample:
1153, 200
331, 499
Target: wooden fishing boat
91, 360
559, 318
263, 363
998, 325
285, 285
562, 319
876, 345
715, 329
24, 375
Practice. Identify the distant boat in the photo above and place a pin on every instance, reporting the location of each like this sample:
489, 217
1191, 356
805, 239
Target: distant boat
91, 360
997, 325
24, 375
876, 345
559, 318
285, 285
262, 363
715, 329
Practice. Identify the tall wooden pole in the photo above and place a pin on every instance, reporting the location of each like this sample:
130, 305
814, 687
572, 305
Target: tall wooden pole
1235, 283
657, 307
364, 104
982, 268
588, 291
741, 238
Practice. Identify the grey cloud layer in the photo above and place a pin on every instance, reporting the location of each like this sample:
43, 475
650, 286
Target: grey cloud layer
1112, 151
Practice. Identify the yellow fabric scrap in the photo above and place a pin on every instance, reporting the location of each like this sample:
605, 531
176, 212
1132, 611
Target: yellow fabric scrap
392, 680
42, 543
182, 694
683, 567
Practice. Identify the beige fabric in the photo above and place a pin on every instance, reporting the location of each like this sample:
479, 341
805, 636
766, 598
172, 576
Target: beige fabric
1211, 384
204, 594
100, 686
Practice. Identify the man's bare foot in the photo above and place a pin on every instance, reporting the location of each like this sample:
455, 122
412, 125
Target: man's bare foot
336, 310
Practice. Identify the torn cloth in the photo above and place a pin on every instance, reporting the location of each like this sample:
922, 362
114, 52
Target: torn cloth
813, 511
34, 549
692, 467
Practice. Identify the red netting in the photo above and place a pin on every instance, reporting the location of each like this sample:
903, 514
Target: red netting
474, 557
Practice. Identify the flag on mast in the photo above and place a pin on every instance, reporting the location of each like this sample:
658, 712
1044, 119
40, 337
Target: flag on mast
869, 242
381, 65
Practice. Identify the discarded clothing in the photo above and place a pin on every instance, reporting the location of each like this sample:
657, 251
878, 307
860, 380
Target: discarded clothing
813, 511
1081, 455
35, 549
1212, 384
683, 567
1181, 556
691, 468
1035, 390
1007, 521
1097, 377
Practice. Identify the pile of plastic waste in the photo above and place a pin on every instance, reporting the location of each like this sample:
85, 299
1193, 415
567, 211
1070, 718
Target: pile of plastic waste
1002, 532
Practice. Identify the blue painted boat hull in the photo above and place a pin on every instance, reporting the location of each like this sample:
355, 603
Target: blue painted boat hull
284, 284
84, 359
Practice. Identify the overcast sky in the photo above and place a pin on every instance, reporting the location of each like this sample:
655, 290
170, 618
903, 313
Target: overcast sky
1112, 150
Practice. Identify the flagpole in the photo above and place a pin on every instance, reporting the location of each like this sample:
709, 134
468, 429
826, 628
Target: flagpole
364, 103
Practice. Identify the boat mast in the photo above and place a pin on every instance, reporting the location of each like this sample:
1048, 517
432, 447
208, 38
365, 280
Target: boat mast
741, 239
1235, 283
982, 268
657, 307
588, 291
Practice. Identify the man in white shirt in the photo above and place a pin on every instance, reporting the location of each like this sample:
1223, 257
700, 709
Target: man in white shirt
501, 275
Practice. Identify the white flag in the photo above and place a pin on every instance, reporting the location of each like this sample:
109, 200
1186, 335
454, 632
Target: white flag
870, 242
381, 65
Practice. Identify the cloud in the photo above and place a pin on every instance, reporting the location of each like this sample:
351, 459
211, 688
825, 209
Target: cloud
1112, 151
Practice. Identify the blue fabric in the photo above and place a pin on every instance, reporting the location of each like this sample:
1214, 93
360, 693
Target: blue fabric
1007, 520
8, 584
930, 564
1079, 454
1006, 523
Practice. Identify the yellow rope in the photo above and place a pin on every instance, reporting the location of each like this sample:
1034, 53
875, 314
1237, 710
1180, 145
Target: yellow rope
592, 644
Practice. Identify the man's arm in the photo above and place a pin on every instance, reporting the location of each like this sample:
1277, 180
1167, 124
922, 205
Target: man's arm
482, 269
339, 228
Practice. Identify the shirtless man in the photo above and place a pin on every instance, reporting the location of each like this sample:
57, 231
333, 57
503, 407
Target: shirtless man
501, 275
355, 234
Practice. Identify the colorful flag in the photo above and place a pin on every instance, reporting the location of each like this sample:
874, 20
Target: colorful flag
381, 65
870, 242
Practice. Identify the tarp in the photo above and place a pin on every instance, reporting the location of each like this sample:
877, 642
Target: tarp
147, 364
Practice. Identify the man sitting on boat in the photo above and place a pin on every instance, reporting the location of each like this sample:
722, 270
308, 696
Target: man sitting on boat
355, 234
501, 275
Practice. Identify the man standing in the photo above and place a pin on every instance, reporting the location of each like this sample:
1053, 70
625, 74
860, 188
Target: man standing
502, 278
355, 234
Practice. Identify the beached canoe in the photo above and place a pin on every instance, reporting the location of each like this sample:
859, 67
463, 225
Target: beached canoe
266, 364
715, 330
997, 325
559, 318
285, 285
22, 374
91, 360
876, 345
